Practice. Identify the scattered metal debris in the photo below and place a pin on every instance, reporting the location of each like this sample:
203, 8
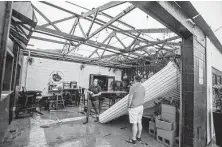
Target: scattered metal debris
11, 131
44, 126
19, 134
144, 143
123, 128
59, 137
107, 135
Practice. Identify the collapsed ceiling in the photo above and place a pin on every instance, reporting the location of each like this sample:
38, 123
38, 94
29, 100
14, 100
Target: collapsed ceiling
111, 34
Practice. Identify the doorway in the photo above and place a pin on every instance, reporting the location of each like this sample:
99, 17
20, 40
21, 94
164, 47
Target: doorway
105, 81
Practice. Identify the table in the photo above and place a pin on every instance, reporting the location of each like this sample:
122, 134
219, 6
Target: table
114, 92
28, 101
52, 97
112, 96
71, 89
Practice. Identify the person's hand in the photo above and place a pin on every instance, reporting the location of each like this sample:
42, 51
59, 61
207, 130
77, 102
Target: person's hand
93, 95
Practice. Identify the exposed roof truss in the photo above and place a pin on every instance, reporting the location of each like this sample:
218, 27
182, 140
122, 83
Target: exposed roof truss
104, 51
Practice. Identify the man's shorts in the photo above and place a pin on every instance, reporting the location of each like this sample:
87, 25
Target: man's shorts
136, 114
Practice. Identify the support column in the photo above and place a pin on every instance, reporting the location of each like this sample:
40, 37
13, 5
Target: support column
194, 92
5, 21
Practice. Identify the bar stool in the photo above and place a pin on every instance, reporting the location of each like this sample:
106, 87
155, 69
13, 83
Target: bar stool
59, 101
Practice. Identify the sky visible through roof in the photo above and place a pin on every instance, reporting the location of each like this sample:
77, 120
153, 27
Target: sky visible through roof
141, 22
211, 12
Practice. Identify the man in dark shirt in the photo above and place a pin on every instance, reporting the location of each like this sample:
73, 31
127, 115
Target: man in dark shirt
93, 100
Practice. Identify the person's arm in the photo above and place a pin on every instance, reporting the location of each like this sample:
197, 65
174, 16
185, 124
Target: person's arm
99, 90
130, 97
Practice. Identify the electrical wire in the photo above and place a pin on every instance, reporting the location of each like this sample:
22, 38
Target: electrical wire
118, 41
218, 29
77, 5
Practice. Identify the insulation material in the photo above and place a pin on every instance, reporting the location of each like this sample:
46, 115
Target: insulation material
164, 83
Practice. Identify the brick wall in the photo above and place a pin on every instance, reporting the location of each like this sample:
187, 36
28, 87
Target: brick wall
194, 95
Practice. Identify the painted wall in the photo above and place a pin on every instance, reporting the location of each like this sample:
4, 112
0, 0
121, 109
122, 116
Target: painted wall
37, 76
214, 59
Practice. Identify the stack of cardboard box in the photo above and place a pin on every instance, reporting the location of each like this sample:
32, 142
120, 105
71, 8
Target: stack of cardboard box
166, 125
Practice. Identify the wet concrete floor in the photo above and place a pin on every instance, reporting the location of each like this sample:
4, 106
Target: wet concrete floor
66, 130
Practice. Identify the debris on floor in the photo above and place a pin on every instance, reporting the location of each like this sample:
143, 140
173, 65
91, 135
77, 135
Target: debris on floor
124, 128
11, 131
59, 137
44, 126
71, 132
144, 143
107, 135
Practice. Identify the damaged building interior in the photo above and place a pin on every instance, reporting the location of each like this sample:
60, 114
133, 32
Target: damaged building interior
59, 59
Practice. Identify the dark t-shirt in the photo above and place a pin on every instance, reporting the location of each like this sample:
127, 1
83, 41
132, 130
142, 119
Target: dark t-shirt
95, 90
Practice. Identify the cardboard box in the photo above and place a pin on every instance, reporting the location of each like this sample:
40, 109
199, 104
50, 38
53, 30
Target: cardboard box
164, 125
166, 137
168, 117
168, 109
